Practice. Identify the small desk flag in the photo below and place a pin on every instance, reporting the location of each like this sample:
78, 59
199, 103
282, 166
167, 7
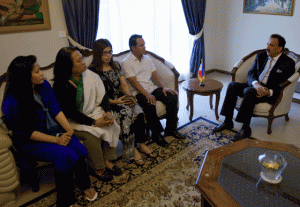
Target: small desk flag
201, 74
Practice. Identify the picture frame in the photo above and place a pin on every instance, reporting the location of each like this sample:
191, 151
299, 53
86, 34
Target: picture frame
24, 16
273, 7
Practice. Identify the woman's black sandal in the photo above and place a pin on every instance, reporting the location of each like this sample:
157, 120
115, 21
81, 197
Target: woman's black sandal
105, 177
115, 171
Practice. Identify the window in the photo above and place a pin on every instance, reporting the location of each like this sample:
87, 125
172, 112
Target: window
161, 22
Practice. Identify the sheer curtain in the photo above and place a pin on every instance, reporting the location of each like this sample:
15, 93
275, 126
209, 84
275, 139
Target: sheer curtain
161, 22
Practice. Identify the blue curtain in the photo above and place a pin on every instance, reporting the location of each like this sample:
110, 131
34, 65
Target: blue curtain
82, 20
194, 11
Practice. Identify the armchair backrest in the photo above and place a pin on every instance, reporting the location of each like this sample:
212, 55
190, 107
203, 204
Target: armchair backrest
240, 69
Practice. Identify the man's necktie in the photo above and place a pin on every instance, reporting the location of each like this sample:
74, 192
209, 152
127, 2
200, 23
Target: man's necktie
265, 71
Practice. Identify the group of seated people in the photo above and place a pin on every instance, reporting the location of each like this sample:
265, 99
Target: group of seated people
108, 102
97, 106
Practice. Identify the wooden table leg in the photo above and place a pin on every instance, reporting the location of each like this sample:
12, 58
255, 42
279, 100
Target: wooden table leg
210, 101
188, 95
217, 104
190, 98
204, 202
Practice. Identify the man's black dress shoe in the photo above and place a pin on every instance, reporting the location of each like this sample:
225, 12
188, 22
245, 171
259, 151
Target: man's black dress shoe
175, 134
223, 126
160, 140
242, 134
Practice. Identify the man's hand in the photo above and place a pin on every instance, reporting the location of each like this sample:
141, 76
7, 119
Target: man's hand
151, 99
261, 90
166, 90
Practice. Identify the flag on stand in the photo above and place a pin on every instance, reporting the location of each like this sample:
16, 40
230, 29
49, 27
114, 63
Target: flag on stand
201, 74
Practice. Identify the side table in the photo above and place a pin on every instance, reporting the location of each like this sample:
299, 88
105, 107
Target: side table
211, 87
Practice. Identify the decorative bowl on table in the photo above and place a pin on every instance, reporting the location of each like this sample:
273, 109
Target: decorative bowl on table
272, 164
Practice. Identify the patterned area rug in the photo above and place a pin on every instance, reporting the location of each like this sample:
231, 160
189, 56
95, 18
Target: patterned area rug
167, 181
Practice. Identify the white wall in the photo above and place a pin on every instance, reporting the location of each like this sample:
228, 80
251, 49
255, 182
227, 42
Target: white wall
231, 34
44, 44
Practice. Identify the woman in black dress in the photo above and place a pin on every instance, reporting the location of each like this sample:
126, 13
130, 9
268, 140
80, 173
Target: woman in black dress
128, 115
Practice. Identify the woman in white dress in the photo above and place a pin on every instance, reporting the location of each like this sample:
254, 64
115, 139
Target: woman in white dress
81, 94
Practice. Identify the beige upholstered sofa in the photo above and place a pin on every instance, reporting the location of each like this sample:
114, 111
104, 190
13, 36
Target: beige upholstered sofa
9, 177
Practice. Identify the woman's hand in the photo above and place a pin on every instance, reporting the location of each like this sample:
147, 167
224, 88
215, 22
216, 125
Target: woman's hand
70, 132
129, 100
122, 100
63, 121
64, 139
105, 121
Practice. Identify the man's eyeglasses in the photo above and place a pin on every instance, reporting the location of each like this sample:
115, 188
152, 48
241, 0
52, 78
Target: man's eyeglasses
105, 53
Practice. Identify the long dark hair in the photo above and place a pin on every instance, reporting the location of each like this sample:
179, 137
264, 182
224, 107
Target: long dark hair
19, 85
98, 47
63, 65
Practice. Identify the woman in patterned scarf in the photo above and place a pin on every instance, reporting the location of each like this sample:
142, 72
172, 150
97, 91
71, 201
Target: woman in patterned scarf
127, 113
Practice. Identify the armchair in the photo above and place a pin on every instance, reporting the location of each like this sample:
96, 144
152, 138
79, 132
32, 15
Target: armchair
283, 103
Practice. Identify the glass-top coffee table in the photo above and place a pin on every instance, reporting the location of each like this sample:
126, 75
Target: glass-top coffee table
230, 176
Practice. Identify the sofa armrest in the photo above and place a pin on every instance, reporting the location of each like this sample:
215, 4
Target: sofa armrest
283, 103
166, 73
5, 140
166, 70
9, 176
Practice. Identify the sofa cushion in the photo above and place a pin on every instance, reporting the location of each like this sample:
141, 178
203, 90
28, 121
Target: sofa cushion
259, 109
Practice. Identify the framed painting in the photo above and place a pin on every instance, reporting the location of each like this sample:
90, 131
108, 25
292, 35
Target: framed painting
275, 7
24, 16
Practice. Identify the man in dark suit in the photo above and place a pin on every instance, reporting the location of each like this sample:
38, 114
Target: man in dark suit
270, 69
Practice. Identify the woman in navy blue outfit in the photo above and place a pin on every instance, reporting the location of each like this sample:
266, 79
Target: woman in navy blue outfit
41, 130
